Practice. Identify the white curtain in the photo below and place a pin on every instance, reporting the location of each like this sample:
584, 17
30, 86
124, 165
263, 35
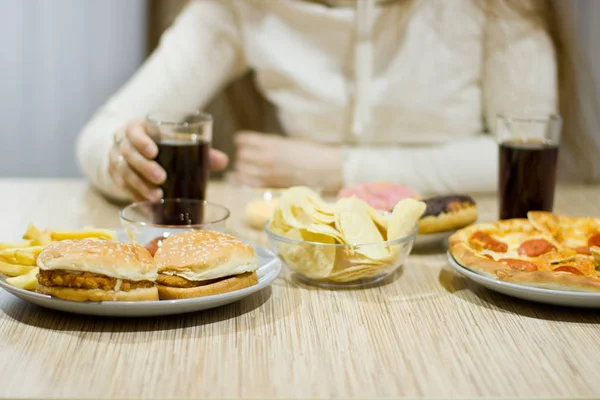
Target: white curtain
60, 61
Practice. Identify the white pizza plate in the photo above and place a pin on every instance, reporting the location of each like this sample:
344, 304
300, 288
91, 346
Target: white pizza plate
269, 268
540, 295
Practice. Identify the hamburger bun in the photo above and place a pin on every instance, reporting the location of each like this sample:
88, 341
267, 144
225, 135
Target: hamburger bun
95, 270
200, 263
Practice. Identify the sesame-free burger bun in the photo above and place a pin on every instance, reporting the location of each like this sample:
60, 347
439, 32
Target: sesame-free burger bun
201, 263
97, 270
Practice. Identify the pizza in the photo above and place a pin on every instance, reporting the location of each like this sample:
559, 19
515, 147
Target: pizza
544, 250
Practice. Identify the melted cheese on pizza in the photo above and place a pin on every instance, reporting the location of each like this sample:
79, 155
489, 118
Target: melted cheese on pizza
555, 255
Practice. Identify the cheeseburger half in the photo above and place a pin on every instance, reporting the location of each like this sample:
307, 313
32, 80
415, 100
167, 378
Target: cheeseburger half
94, 270
203, 263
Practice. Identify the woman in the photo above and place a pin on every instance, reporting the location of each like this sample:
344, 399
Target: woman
369, 90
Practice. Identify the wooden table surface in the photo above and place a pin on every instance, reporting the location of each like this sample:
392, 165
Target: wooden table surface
427, 332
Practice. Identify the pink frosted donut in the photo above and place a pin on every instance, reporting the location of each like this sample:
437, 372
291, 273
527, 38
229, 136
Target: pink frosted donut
379, 195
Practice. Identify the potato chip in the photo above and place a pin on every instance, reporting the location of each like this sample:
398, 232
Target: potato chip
292, 213
316, 214
354, 273
380, 220
404, 218
353, 220
314, 262
348, 256
277, 225
327, 230
295, 216
321, 206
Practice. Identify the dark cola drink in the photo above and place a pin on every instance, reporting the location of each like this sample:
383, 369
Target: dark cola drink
527, 177
187, 167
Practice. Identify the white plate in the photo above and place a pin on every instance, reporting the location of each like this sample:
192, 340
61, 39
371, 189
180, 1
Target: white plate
540, 295
269, 269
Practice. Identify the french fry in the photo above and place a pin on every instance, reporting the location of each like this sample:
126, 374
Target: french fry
14, 269
23, 256
12, 245
37, 237
27, 281
8, 256
87, 233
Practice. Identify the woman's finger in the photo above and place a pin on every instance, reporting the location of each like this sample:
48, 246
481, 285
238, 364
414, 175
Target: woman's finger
149, 170
134, 182
137, 135
218, 160
115, 158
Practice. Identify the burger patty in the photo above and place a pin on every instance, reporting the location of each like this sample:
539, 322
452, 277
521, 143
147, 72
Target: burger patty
87, 280
179, 282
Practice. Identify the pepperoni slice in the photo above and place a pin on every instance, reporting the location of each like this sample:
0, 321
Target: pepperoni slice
487, 242
594, 240
567, 268
519, 265
583, 250
535, 247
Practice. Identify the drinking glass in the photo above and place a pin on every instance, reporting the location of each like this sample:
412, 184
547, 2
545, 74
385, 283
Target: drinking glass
183, 139
528, 154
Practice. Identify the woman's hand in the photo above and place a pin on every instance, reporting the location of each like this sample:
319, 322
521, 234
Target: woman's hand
132, 165
275, 161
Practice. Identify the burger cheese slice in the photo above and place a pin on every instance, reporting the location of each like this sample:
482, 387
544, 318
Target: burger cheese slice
97, 270
200, 263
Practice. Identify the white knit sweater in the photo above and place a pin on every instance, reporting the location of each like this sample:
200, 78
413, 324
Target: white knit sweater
438, 76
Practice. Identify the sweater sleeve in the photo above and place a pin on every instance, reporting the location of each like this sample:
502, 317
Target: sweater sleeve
197, 56
519, 78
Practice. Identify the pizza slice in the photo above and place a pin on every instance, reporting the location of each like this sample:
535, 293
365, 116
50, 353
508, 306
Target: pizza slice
577, 233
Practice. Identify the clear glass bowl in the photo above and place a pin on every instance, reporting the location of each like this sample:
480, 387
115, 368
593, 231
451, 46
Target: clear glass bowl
146, 221
334, 265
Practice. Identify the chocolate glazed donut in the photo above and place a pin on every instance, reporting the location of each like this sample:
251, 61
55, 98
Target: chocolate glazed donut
444, 213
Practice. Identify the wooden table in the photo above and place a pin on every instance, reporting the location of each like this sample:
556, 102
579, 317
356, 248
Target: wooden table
427, 332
